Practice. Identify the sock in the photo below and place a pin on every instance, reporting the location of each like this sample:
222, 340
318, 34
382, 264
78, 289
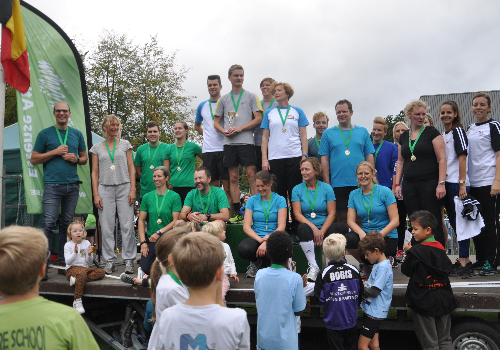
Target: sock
308, 248
236, 207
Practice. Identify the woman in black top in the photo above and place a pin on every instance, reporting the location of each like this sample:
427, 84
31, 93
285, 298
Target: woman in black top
422, 162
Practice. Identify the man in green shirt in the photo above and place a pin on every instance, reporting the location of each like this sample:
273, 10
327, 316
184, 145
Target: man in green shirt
205, 202
148, 157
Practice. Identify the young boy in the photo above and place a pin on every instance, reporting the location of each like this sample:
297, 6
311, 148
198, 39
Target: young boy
429, 293
280, 297
377, 294
338, 288
28, 320
200, 321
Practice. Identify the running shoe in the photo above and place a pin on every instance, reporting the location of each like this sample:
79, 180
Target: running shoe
312, 272
236, 218
253, 268
400, 256
488, 268
129, 267
127, 279
478, 265
110, 267
78, 306
455, 269
72, 281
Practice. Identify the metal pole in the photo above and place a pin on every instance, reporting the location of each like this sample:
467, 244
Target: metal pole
2, 122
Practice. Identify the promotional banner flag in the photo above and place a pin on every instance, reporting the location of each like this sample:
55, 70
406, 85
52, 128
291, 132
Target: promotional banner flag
56, 75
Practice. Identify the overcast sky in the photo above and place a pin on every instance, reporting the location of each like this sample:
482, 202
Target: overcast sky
377, 54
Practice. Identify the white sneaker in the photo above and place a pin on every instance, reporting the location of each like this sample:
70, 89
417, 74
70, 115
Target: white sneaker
312, 272
72, 281
78, 306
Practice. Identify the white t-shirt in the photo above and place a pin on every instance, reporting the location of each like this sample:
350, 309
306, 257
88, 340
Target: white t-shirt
185, 327
229, 265
284, 144
455, 144
81, 258
213, 141
484, 142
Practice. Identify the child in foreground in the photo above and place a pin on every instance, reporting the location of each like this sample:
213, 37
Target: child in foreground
429, 293
36, 322
218, 229
78, 254
279, 294
201, 322
377, 294
339, 288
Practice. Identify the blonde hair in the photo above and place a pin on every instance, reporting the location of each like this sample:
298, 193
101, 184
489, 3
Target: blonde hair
394, 131
71, 226
215, 228
188, 226
374, 172
430, 119
318, 115
110, 118
382, 121
192, 249
23, 252
410, 107
334, 246
287, 87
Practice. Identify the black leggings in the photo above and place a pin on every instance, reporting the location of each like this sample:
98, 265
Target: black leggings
247, 249
305, 232
402, 223
147, 261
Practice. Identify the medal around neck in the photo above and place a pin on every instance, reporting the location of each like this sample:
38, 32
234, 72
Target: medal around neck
347, 152
151, 167
158, 221
413, 158
112, 167
179, 168
313, 215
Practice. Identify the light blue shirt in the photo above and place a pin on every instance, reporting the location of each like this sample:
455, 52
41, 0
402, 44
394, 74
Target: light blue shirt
379, 217
381, 277
259, 220
279, 293
325, 195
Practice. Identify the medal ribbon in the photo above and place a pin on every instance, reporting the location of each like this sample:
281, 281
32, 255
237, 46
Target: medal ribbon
317, 142
412, 147
154, 155
368, 209
376, 153
111, 155
65, 136
313, 204
208, 202
283, 120
177, 154
266, 213
158, 208
236, 106
175, 278
268, 107
212, 113
343, 137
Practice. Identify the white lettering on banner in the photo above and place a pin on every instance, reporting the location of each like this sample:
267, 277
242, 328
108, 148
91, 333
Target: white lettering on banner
36, 193
28, 135
82, 194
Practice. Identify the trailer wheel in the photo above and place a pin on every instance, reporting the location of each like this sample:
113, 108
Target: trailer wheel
473, 333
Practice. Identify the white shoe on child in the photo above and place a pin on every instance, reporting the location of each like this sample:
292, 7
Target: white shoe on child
312, 272
72, 281
78, 306
140, 273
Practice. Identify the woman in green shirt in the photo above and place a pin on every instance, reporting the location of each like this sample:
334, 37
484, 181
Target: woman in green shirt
180, 158
163, 207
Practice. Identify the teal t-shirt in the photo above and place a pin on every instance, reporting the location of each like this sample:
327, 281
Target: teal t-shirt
259, 219
186, 161
38, 323
218, 201
379, 217
57, 170
171, 204
143, 160
325, 195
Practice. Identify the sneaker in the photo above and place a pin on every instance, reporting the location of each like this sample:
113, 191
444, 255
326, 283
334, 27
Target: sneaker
253, 268
236, 218
478, 265
393, 261
400, 256
127, 279
365, 270
455, 269
312, 272
110, 267
78, 306
72, 281
487, 268
129, 267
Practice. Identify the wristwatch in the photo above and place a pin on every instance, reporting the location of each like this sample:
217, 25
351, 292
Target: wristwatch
208, 215
159, 233
461, 181
77, 160
441, 182
145, 241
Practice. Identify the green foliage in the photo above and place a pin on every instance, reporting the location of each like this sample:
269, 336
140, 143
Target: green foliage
137, 84
10, 106
391, 121
244, 183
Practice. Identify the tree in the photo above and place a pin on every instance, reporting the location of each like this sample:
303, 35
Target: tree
10, 106
137, 84
391, 121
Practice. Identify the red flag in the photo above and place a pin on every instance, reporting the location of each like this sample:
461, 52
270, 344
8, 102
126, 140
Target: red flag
14, 53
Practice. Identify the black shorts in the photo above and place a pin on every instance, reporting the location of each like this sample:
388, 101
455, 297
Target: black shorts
370, 327
342, 196
344, 339
235, 155
214, 162
258, 153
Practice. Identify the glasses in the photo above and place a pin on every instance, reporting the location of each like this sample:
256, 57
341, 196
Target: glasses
77, 231
61, 110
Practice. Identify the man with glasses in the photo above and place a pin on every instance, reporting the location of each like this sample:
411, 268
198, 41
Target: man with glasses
60, 149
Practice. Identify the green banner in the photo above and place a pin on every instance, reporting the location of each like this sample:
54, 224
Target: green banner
55, 77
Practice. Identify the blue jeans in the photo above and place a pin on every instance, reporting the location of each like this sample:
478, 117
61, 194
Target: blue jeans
452, 190
55, 196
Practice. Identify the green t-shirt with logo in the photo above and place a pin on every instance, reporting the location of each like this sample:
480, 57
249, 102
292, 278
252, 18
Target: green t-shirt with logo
218, 200
171, 204
142, 160
38, 323
185, 161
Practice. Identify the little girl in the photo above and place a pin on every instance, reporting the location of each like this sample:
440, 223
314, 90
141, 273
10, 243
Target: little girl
78, 256
218, 229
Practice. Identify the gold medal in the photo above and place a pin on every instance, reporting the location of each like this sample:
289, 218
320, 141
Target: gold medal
212, 124
284, 130
178, 168
313, 215
236, 115
151, 167
266, 227
347, 152
158, 221
413, 158
112, 167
